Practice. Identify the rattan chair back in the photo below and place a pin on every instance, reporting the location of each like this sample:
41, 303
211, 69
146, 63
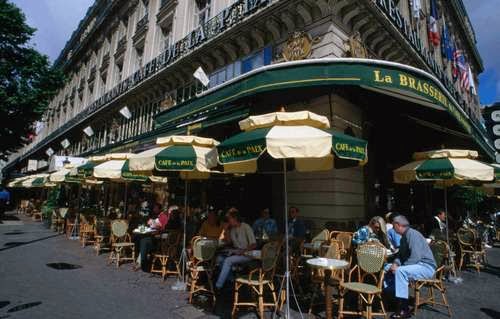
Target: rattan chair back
204, 249
332, 250
323, 236
270, 254
466, 237
440, 251
371, 258
346, 239
119, 229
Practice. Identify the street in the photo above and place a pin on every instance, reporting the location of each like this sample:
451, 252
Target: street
94, 289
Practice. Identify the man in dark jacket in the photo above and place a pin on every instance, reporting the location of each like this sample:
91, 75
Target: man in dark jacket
414, 261
436, 227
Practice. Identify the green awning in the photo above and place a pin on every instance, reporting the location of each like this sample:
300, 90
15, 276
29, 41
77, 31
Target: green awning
38, 182
391, 78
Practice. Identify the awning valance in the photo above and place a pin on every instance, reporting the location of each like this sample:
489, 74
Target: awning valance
393, 79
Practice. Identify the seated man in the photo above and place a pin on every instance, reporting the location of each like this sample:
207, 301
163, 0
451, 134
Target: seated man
242, 239
414, 261
211, 227
265, 226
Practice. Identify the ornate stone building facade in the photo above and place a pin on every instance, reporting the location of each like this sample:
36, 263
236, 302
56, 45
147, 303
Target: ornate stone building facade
369, 65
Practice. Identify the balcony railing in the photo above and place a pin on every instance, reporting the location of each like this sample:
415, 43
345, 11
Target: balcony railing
165, 3
142, 24
121, 47
92, 74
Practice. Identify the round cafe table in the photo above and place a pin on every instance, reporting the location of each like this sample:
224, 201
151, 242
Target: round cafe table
328, 265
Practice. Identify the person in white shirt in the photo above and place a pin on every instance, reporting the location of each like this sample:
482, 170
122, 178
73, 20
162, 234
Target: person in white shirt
241, 237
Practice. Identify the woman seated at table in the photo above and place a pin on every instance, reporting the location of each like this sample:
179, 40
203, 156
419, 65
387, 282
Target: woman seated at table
211, 227
242, 239
146, 242
375, 231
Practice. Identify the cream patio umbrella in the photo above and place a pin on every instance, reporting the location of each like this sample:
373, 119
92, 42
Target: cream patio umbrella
116, 169
182, 154
445, 167
303, 137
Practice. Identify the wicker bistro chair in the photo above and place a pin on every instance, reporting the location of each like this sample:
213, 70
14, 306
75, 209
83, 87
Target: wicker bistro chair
102, 235
316, 243
333, 251
122, 248
258, 279
346, 239
202, 262
167, 253
440, 251
371, 257
469, 248
59, 218
87, 231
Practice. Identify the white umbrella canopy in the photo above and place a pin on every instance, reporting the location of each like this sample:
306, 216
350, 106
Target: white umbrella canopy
447, 167
117, 168
177, 153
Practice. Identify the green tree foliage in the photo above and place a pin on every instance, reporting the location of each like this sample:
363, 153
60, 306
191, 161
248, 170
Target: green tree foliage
27, 80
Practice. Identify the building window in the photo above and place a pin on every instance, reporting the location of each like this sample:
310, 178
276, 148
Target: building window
119, 72
202, 11
139, 59
166, 37
253, 61
256, 60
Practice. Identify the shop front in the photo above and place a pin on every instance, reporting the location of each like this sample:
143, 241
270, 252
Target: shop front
398, 109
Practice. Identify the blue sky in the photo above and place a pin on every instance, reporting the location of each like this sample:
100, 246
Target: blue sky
55, 20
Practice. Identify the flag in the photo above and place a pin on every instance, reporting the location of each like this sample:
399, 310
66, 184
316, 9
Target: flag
458, 64
446, 46
125, 112
472, 85
416, 6
464, 80
201, 76
434, 37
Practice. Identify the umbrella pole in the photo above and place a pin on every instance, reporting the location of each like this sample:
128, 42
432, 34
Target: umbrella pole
446, 210
184, 255
287, 266
125, 201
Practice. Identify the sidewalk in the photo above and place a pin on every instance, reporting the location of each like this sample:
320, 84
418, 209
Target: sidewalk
31, 289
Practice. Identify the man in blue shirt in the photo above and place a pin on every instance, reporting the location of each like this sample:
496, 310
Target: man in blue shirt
265, 225
392, 235
4, 201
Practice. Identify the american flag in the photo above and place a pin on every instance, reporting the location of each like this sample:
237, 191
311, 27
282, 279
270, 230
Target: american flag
458, 63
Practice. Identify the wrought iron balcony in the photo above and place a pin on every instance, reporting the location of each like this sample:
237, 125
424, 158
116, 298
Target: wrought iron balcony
142, 24
141, 29
121, 47
92, 73
165, 14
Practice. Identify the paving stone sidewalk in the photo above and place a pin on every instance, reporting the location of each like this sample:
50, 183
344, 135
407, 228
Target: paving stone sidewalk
31, 289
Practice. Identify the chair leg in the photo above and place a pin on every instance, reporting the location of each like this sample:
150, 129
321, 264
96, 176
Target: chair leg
369, 307
235, 303
313, 297
417, 299
261, 301
194, 279
341, 303
382, 306
461, 261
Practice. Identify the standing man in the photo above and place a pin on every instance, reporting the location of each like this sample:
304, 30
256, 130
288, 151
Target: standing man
296, 226
413, 261
4, 201
436, 227
242, 239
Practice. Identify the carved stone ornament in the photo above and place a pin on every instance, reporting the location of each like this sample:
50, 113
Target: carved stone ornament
356, 48
167, 103
298, 46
